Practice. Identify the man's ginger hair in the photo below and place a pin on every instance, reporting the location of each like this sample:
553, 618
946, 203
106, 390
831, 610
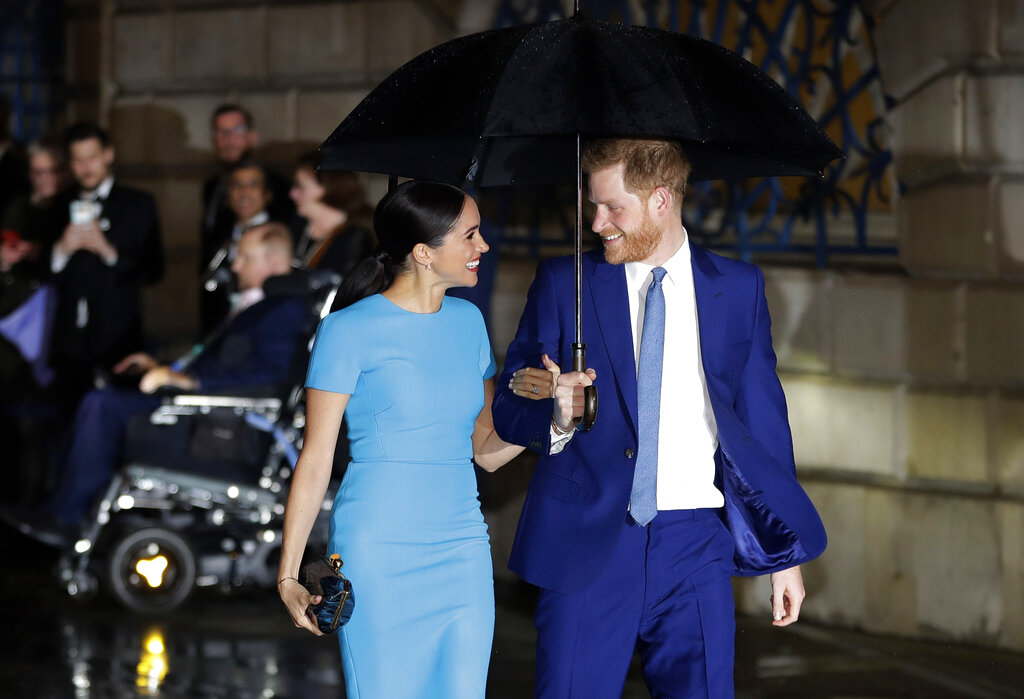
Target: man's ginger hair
647, 164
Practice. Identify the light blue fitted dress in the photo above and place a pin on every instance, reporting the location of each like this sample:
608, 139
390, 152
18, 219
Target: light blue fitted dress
407, 519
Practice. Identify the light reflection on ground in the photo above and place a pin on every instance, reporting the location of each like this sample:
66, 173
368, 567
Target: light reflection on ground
242, 645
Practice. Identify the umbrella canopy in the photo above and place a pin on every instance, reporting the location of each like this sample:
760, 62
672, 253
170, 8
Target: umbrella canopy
506, 106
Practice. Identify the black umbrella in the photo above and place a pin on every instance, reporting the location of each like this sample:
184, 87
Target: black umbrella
509, 106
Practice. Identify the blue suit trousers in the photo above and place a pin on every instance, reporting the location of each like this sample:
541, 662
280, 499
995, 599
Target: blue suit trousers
94, 452
666, 592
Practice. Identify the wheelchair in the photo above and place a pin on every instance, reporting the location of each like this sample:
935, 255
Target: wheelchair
200, 499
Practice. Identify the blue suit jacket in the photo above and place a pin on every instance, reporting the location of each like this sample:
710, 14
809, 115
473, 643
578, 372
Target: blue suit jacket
577, 499
255, 348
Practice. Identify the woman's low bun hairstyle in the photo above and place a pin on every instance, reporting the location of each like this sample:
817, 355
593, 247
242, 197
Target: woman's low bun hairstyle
414, 212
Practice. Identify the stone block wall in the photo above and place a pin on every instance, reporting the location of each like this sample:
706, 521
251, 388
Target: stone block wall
906, 389
910, 440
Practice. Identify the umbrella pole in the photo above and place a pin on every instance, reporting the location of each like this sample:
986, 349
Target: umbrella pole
585, 422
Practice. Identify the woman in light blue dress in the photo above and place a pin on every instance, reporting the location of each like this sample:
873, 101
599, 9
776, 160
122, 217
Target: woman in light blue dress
412, 371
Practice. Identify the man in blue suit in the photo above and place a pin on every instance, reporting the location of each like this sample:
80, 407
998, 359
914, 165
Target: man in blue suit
253, 349
633, 530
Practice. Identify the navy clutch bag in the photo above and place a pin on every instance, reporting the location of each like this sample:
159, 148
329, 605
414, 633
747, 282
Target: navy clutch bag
324, 578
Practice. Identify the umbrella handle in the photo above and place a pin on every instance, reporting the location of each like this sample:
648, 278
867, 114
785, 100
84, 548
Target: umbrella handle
585, 422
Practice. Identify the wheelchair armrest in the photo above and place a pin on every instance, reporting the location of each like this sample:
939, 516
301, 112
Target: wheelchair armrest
255, 403
183, 405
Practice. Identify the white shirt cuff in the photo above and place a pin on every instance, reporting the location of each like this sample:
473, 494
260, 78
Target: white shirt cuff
58, 261
559, 441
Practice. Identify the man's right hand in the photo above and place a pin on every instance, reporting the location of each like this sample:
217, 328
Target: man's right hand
568, 394
135, 363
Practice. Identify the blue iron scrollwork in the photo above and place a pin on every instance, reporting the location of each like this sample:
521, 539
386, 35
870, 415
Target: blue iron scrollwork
822, 53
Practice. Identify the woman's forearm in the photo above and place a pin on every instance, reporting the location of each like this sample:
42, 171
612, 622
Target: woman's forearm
493, 452
324, 411
305, 500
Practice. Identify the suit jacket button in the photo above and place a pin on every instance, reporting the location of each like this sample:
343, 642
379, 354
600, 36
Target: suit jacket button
628, 453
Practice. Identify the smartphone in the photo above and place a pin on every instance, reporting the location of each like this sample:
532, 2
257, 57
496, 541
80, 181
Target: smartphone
10, 237
83, 212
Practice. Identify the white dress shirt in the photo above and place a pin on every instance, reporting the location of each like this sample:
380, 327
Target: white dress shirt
241, 227
241, 300
687, 433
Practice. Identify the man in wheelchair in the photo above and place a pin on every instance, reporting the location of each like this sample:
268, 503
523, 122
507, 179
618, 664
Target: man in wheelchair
253, 350
192, 463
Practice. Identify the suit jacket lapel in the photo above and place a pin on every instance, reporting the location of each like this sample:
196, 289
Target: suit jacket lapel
611, 306
711, 302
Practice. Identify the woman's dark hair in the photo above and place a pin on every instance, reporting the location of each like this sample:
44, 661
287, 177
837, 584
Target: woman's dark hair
414, 212
342, 188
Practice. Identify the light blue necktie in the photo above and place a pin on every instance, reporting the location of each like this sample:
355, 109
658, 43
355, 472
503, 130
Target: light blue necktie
643, 500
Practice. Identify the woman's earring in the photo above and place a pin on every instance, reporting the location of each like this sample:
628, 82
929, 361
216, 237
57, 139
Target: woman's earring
428, 266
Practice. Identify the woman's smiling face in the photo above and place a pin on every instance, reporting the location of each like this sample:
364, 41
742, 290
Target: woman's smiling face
457, 259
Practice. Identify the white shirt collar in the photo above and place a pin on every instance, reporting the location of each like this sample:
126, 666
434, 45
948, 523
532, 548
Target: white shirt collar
676, 267
244, 299
101, 192
257, 220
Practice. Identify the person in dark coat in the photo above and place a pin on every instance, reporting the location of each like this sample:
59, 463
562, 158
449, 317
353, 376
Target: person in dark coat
234, 137
338, 230
13, 164
28, 419
249, 199
27, 227
108, 249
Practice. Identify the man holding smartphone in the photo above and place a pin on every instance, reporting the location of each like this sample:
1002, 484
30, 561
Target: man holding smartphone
109, 248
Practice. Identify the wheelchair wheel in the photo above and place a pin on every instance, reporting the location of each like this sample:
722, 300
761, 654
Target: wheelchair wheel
151, 570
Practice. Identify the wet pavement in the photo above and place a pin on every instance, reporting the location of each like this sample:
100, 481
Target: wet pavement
242, 645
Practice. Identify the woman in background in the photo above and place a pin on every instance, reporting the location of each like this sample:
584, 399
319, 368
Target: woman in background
337, 234
27, 425
31, 218
412, 371
29, 225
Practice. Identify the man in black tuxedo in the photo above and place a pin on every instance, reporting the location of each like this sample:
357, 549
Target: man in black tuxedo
253, 349
108, 249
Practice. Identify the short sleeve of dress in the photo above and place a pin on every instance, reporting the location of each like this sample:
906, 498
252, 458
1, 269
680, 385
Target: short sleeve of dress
488, 367
334, 363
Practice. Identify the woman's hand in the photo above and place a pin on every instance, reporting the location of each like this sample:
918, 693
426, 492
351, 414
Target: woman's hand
535, 383
297, 600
